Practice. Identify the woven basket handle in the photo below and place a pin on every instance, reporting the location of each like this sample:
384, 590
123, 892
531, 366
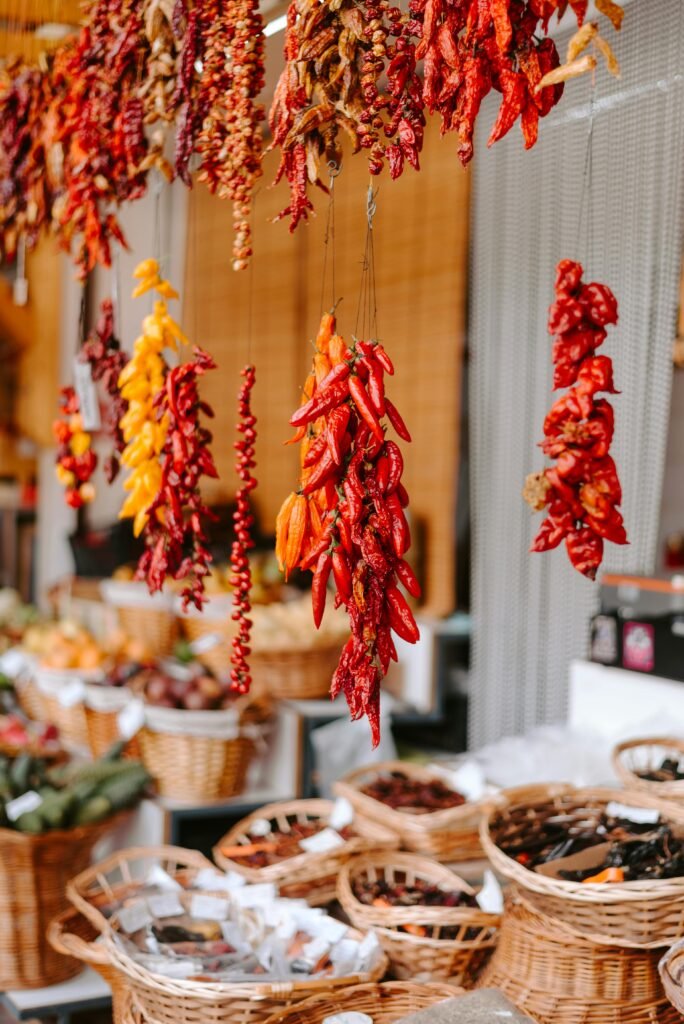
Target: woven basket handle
73, 945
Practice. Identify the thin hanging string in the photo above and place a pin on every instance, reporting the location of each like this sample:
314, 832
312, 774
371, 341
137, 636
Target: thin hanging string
250, 290
367, 310
82, 313
585, 223
329, 239
116, 290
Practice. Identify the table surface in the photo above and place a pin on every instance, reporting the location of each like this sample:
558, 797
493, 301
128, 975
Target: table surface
87, 991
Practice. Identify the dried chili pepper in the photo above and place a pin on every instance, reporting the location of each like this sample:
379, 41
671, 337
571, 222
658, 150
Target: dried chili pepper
582, 491
106, 358
243, 520
75, 461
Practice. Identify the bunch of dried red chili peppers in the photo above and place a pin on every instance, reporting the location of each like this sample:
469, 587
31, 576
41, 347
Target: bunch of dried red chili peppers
581, 492
75, 461
347, 517
243, 520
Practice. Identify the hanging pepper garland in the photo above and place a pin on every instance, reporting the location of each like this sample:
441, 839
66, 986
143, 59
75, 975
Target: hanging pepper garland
75, 461
107, 359
243, 518
581, 492
347, 517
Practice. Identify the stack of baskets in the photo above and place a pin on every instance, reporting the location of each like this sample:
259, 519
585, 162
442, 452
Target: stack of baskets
422, 943
450, 835
578, 953
310, 876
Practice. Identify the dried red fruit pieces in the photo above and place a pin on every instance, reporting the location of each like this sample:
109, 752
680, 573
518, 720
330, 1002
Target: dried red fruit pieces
581, 491
243, 518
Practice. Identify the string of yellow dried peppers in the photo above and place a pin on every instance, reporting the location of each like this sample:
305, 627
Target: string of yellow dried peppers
346, 519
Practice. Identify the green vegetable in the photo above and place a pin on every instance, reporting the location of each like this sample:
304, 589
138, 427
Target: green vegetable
30, 821
20, 774
92, 811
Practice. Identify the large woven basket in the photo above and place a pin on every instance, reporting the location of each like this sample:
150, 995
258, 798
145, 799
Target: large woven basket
303, 674
29, 697
163, 1000
671, 969
385, 1003
73, 935
549, 960
156, 629
641, 914
102, 707
421, 958
122, 873
34, 871
647, 754
309, 876
196, 756
449, 835
69, 719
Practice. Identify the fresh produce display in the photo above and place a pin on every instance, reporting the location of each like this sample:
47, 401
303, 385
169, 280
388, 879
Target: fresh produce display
581, 491
77, 793
65, 645
272, 845
189, 688
347, 517
15, 617
243, 518
414, 796
75, 461
102, 351
18, 734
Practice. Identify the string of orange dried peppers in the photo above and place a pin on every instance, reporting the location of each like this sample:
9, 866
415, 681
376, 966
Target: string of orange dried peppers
243, 519
347, 517
581, 491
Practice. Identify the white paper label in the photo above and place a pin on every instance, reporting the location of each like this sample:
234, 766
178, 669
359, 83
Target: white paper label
87, 395
23, 804
490, 896
232, 933
260, 827
13, 663
342, 814
166, 904
131, 719
639, 815
162, 879
20, 291
348, 1017
255, 895
134, 917
71, 693
209, 878
330, 929
369, 943
205, 643
323, 841
314, 950
469, 780
209, 908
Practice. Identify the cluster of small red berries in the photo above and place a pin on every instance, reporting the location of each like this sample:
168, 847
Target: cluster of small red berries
243, 518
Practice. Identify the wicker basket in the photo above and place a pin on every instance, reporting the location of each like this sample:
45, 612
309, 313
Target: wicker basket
73, 935
122, 873
642, 914
428, 957
646, 754
29, 697
155, 629
102, 707
671, 969
200, 755
69, 718
163, 1000
34, 871
385, 1003
450, 835
303, 674
309, 876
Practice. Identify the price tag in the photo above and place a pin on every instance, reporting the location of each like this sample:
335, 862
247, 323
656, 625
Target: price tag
131, 719
342, 814
639, 815
209, 908
71, 693
469, 779
218, 881
166, 904
87, 395
30, 801
205, 643
314, 950
323, 841
13, 663
255, 895
134, 917
260, 827
330, 929
348, 1017
490, 896
162, 879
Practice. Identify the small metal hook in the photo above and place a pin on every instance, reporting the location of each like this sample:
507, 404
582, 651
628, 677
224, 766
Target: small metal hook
371, 205
334, 169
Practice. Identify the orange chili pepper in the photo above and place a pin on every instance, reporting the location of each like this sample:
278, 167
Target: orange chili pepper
609, 875
282, 525
315, 519
337, 349
247, 849
322, 366
325, 332
296, 533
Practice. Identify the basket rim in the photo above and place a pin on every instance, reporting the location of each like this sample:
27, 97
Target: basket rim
62, 835
70, 944
673, 988
380, 989
630, 778
350, 786
369, 832
429, 916
583, 892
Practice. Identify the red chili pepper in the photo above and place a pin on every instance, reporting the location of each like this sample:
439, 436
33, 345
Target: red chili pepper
324, 470
382, 473
397, 422
344, 531
316, 549
319, 587
401, 536
364, 406
408, 578
400, 616
342, 574
372, 551
402, 495
396, 466
315, 451
354, 502
325, 399
335, 431
384, 360
376, 387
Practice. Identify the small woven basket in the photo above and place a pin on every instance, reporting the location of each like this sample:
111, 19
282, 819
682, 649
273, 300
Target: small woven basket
123, 873
72, 934
217, 658
303, 674
385, 1003
34, 871
309, 876
644, 914
102, 707
422, 958
671, 969
29, 697
197, 756
647, 754
155, 629
68, 717
449, 835
163, 1000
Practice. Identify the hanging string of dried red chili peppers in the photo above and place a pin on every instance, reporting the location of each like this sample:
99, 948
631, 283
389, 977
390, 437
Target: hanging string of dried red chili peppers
243, 519
75, 461
581, 492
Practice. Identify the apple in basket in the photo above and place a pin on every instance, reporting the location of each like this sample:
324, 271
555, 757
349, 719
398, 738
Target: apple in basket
187, 687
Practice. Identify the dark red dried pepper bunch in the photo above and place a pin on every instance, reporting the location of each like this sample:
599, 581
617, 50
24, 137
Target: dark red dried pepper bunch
348, 516
175, 533
75, 460
581, 492
226, 36
243, 519
107, 359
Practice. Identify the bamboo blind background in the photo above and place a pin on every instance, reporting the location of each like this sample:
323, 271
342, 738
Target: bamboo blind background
420, 229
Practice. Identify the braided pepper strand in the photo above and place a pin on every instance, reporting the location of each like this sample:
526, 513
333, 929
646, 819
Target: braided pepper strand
243, 518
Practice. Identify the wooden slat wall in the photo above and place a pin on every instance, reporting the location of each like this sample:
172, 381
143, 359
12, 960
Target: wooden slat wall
421, 236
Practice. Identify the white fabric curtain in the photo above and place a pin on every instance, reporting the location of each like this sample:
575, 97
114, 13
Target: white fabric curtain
531, 612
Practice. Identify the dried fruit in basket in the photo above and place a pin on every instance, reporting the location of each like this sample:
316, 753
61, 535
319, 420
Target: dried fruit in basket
241, 578
275, 845
382, 892
581, 492
346, 520
416, 796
